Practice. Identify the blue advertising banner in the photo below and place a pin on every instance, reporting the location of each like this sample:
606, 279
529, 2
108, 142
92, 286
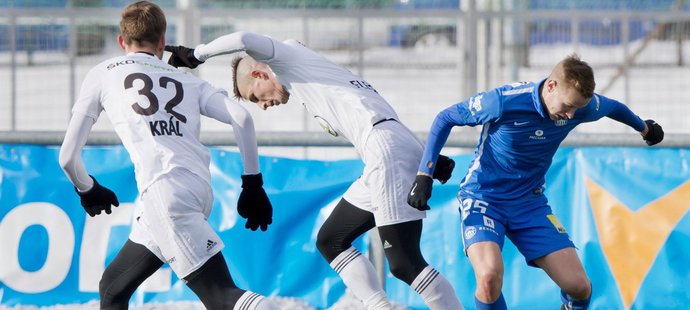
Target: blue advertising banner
624, 208
51, 252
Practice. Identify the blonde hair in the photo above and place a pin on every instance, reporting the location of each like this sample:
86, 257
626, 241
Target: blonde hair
142, 23
576, 74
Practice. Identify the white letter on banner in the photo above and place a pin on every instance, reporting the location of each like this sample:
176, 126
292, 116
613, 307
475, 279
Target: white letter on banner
60, 247
94, 247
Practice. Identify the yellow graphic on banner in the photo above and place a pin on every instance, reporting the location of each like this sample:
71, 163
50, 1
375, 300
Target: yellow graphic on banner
631, 240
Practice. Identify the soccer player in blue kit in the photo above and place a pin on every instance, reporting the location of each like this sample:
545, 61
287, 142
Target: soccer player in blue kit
503, 191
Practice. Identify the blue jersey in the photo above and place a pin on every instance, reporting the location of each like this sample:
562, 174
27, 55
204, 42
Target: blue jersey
518, 139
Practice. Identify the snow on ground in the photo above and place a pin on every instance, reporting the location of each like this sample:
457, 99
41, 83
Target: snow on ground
347, 302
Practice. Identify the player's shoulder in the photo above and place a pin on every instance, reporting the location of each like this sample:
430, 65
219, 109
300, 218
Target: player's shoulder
516, 89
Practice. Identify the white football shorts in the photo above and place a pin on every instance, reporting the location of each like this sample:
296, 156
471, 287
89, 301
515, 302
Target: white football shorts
171, 221
391, 157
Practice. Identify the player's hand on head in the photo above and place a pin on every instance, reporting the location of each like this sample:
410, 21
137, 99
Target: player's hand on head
182, 56
97, 199
420, 192
254, 204
444, 168
655, 133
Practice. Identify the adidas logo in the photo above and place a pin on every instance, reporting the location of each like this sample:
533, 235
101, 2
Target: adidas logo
386, 245
210, 244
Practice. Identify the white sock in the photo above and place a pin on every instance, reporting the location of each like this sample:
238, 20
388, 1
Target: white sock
359, 276
253, 301
437, 292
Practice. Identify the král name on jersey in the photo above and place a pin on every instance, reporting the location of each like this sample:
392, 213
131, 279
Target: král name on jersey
165, 128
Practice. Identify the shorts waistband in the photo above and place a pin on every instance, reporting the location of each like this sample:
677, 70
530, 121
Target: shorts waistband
383, 120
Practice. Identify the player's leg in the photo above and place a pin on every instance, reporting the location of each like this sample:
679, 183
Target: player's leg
173, 226
216, 289
401, 245
566, 270
334, 241
132, 265
487, 264
483, 233
542, 239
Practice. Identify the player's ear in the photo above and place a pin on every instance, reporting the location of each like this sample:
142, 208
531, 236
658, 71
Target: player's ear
551, 84
121, 41
259, 74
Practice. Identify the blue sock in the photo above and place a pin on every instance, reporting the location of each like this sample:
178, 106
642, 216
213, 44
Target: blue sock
574, 304
499, 304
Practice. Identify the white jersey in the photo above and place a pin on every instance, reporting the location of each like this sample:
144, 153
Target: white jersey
155, 110
343, 103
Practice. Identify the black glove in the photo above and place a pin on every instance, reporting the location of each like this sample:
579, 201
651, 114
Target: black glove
420, 192
654, 133
444, 168
97, 199
182, 57
253, 203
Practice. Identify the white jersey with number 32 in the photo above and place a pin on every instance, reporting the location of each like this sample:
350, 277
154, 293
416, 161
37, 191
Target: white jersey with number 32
155, 110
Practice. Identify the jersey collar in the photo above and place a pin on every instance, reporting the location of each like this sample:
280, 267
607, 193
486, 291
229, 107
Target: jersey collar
536, 98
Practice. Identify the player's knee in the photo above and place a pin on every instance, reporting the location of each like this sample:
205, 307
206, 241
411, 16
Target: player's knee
489, 285
579, 288
329, 246
405, 266
404, 271
111, 297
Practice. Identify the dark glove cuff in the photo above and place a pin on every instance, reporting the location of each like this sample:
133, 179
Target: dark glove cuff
252, 180
420, 178
192, 58
86, 193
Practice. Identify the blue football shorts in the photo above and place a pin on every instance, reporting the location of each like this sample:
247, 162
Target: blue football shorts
528, 223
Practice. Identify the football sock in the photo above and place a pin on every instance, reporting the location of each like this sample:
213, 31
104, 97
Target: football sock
436, 291
359, 276
253, 301
570, 303
499, 304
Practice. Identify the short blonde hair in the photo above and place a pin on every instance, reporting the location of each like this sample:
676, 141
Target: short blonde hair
576, 74
142, 23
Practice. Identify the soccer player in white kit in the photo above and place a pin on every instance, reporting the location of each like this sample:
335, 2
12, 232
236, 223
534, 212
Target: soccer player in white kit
345, 105
155, 110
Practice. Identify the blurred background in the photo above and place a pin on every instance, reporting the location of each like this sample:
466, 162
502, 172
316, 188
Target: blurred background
421, 55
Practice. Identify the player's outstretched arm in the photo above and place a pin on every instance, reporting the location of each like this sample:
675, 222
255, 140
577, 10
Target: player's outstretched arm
258, 46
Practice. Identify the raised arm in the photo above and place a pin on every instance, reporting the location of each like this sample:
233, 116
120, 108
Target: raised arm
258, 46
